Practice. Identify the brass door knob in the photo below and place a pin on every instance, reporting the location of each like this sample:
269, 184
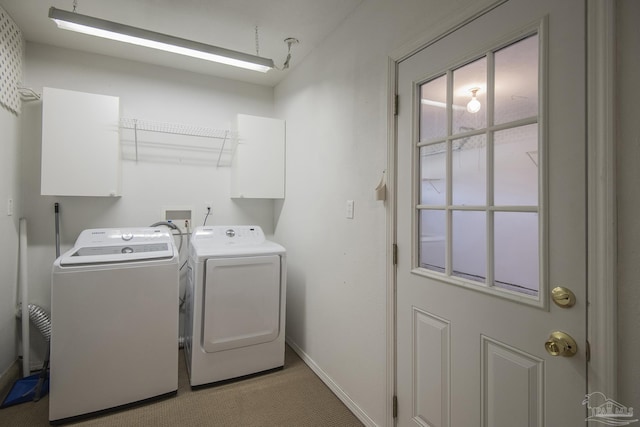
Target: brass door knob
561, 344
563, 297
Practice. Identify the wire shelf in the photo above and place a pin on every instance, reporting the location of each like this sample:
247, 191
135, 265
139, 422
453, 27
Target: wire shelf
175, 128
144, 125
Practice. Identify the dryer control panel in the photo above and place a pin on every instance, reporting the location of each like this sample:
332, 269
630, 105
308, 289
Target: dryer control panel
230, 234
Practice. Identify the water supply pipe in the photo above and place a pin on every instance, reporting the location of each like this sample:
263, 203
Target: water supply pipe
24, 296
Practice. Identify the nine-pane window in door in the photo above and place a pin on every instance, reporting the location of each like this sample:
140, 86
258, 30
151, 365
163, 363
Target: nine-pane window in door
478, 205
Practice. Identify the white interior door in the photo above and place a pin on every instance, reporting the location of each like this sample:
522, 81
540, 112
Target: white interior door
490, 219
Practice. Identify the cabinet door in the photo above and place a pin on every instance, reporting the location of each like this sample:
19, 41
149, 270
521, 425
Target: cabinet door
258, 166
80, 144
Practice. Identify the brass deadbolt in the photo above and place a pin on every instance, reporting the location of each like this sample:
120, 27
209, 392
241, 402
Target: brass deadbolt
563, 297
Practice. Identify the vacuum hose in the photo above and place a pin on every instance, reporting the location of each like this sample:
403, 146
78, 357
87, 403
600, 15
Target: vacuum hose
39, 317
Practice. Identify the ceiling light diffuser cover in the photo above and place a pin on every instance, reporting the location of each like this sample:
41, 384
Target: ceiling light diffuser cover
138, 36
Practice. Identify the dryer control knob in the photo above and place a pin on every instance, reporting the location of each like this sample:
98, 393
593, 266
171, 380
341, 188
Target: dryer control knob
127, 236
230, 232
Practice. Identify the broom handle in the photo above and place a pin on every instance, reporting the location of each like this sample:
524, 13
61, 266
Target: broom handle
43, 375
56, 209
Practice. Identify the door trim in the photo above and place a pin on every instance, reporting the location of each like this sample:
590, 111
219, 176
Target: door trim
601, 220
390, 389
601, 198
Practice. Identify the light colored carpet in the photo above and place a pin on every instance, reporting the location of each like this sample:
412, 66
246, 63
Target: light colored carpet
293, 396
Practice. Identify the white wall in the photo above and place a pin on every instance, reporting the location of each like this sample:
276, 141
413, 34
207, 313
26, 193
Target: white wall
9, 149
180, 175
628, 175
335, 104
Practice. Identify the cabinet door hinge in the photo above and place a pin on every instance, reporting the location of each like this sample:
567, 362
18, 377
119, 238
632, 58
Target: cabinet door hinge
395, 254
395, 105
395, 406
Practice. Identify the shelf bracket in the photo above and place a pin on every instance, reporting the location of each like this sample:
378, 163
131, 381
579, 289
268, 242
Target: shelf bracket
224, 141
135, 134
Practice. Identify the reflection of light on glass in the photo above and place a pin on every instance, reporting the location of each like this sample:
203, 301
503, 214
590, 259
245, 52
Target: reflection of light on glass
439, 104
474, 105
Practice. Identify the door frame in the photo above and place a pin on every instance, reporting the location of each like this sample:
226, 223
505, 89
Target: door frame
601, 191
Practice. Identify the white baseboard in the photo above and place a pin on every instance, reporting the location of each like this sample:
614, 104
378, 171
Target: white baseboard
335, 388
8, 377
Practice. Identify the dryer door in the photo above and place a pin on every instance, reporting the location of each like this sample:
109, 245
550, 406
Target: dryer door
241, 302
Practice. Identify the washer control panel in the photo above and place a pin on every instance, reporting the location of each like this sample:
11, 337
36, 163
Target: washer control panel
116, 236
120, 249
108, 245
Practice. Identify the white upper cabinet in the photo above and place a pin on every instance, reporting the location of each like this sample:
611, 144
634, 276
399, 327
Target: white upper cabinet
80, 144
258, 166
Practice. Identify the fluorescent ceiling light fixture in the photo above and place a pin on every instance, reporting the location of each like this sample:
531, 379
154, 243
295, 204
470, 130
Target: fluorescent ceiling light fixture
125, 33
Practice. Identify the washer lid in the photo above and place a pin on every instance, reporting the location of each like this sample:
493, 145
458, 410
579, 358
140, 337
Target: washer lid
115, 245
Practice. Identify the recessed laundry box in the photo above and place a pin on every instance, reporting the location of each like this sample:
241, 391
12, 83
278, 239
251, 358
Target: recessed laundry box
114, 321
235, 304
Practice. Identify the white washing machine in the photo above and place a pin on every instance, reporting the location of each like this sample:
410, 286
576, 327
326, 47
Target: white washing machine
235, 304
114, 321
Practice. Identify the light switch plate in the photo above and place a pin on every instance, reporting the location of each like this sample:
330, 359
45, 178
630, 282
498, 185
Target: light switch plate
350, 209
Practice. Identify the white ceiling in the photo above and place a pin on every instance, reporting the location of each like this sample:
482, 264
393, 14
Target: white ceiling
225, 23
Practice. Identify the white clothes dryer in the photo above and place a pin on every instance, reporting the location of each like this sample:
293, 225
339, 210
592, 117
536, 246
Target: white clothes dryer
235, 304
114, 321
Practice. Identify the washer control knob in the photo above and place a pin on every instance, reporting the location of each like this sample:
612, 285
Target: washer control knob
230, 232
127, 236
127, 250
